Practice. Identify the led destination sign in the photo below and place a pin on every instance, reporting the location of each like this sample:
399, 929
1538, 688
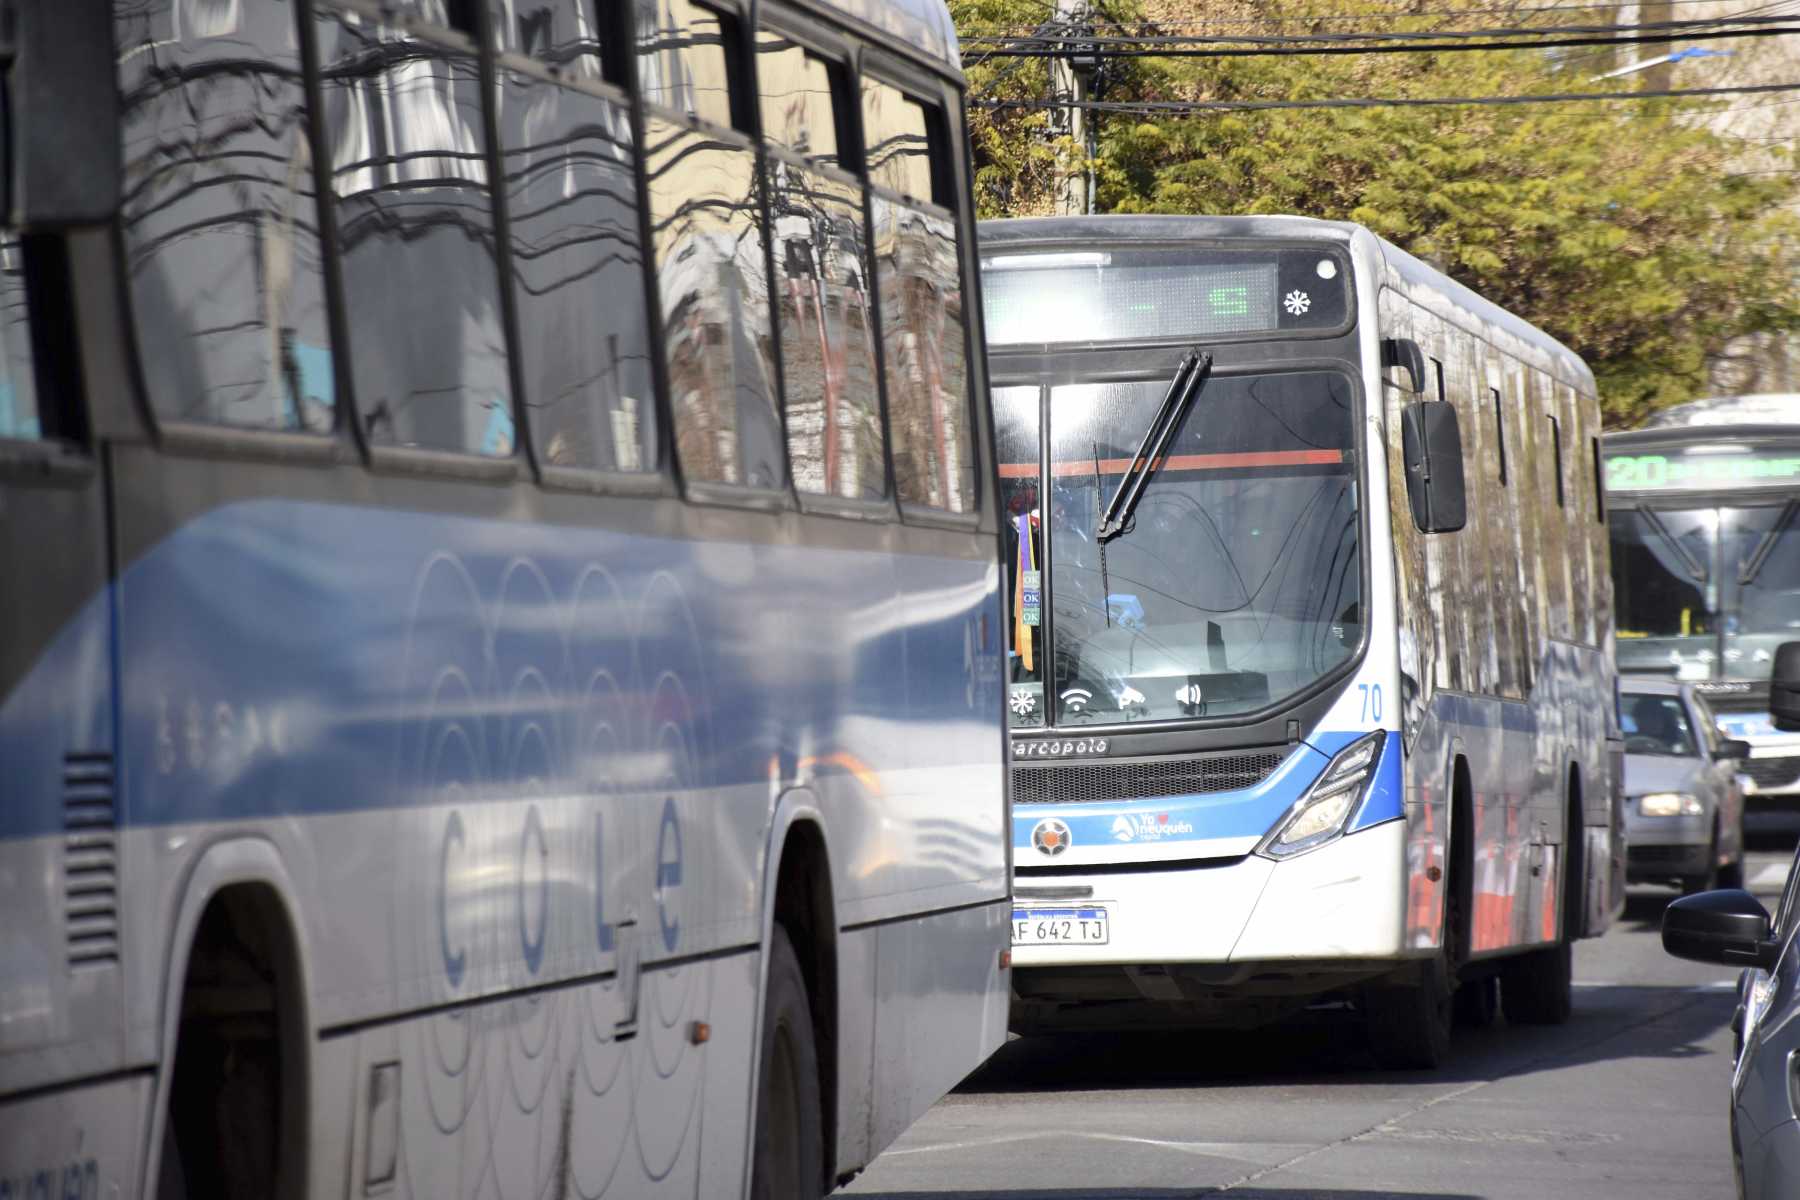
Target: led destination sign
1704, 469
1054, 296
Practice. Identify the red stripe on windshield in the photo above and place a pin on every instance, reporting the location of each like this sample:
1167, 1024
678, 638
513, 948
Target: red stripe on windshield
1185, 462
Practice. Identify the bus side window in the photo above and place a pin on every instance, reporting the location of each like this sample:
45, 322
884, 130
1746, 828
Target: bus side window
708, 233
822, 293
684, 64
219, 216
415, 229
19, 415
919, 279
576, 252
1499, 430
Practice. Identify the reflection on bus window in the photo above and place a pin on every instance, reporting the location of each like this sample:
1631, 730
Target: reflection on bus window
897, 144
1016, 418
827, 336
1237, 581
713, 284
18, 385
682, 60
428, 350
578, 283
561, 33
796, 96
924, 358
1761, 553
219, 214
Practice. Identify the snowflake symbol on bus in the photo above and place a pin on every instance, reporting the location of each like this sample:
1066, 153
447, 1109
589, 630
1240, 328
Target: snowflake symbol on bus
1023, 703
1296, 302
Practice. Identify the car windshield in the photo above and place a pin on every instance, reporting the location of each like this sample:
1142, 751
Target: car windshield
1237, 580
1656, 725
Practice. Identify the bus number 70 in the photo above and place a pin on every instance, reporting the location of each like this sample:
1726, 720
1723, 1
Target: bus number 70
1371, 701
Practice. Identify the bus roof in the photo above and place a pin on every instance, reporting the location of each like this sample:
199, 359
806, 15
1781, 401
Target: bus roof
923, 25
1757, 408
1364, 245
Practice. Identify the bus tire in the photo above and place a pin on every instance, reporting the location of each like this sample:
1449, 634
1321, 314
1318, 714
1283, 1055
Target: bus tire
1409, 1024
1537, 988
790, 1151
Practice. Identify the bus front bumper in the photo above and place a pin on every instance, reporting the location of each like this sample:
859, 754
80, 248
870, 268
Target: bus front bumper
1344, 902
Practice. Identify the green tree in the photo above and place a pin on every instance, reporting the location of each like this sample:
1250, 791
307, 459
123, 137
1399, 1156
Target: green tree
1630, 230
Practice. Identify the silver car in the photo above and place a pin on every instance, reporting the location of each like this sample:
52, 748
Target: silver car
1684, 812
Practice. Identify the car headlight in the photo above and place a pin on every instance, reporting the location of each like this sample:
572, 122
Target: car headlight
1670, 804
1319, 815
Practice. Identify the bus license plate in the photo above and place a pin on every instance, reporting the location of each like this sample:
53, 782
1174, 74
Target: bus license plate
1085, 926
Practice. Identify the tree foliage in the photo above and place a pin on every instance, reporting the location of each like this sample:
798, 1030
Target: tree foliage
1635, 232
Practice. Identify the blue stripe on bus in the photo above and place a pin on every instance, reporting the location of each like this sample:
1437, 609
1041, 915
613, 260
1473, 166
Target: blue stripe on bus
292, 658
1243, 812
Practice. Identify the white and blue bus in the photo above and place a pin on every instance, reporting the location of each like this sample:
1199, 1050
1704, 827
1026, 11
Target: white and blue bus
1705, 520
1311, 685
501, 641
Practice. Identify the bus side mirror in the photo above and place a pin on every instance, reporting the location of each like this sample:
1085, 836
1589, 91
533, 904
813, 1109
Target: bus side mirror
1404, 352
1784, 688
59, 119
1431, 446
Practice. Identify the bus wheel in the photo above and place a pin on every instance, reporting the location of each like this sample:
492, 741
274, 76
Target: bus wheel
1409, 1024
790, 1153
1538, 988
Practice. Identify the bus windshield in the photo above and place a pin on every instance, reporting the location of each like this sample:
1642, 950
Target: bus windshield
1690, 578
1237, 581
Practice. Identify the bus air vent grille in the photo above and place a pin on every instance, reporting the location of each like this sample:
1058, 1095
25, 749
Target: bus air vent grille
1772, 772
90, 861
1139, 779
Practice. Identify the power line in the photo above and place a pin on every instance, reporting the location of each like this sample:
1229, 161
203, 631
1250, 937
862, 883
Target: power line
1186, 107
1682, 27
1336, 18
1306, 47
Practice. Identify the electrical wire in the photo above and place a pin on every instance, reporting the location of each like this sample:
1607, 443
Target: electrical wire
1268, 48
1692, 24
1334, 18
1185, 107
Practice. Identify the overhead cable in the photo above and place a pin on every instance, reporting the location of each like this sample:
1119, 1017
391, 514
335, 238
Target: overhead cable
1304, 47
1186, 107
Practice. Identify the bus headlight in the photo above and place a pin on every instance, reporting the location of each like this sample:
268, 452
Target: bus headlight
1670, 804
1319, 815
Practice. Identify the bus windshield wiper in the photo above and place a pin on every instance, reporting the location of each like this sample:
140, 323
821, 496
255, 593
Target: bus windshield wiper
1190, 377
1752, 566
1687, 559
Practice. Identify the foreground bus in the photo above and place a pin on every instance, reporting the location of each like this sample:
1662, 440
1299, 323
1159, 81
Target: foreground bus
500, 631
1311, 690
1706, 568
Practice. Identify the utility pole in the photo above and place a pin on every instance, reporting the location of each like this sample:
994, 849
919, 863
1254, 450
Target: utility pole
1658, 76
1069, 81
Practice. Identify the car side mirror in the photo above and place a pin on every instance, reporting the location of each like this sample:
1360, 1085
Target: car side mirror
1431, 446
1731, 748
1784, 688
1728, 926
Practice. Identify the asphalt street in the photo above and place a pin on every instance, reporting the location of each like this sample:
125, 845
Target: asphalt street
1625, 1102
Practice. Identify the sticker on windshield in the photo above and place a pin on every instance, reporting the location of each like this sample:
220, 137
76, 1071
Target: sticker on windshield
1030, 607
